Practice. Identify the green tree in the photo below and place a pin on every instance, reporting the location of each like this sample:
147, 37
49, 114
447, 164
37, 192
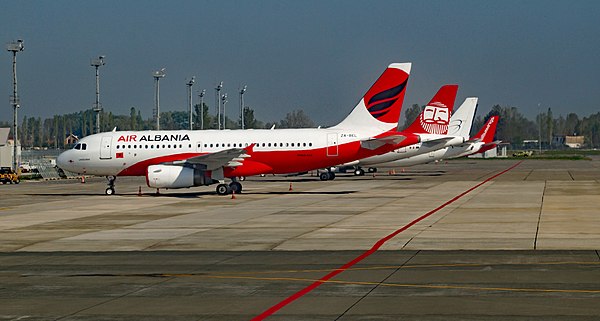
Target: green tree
296, 119
411, 114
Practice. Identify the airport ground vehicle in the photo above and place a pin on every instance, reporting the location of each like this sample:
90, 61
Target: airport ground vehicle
7, 175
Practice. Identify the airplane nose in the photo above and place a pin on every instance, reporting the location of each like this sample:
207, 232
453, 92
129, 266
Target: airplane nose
63, 161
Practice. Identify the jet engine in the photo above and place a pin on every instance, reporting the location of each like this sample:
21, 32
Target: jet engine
173, 176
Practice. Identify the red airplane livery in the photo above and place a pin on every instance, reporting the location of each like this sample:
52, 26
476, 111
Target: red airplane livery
185, 158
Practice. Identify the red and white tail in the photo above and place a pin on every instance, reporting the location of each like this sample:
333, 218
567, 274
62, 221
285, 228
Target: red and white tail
488, 131
434, 119
379, 109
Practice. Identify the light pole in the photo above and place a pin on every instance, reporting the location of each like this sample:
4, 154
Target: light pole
15, 47
201, 95
218, 103
157, 76
540, 129
97, 108
224, 100
189, 84
242, 107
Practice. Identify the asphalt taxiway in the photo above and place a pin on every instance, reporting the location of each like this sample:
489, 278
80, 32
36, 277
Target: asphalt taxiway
520, 245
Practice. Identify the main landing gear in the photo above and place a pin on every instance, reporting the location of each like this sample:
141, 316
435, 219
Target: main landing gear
327, 176
111, 185
233, 187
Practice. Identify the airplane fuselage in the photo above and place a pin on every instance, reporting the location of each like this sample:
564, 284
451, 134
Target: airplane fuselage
274, 151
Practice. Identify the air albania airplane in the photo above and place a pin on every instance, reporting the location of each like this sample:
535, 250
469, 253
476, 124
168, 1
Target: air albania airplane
185, 158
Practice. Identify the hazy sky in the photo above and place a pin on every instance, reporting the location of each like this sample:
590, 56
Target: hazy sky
320, 56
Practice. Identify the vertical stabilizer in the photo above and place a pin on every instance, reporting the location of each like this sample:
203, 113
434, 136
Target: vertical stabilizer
462, 119
488, 131
435, 117
379, 109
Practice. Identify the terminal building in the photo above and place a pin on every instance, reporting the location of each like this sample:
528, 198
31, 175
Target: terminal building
7, 149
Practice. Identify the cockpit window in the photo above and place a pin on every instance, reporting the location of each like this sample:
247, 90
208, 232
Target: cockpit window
77, 146
83, 146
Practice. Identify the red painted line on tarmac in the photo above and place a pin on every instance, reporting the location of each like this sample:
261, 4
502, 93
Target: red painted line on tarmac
372, 250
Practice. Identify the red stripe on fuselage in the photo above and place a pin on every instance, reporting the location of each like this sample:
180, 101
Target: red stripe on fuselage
273, 162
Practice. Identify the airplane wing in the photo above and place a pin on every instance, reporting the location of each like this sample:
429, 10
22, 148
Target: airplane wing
232, 157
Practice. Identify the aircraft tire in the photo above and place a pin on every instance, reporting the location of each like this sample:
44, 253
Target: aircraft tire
223, 189
109, 191
331, 176
324, 176
359, 172
372, 169
236, 187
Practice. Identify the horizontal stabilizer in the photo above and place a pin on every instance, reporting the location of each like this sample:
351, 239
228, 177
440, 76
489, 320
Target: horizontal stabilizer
437, 141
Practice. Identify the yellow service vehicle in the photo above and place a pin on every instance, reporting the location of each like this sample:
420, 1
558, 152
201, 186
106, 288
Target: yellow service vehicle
7, 175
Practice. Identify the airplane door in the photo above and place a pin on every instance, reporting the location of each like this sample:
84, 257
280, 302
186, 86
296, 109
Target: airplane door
401, 150
332, 144
105, 148
431, 154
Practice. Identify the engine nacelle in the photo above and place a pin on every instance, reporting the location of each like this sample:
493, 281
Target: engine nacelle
172, 176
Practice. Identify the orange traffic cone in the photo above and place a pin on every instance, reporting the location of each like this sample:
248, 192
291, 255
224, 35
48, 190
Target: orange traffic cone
290, 189
232, 194
82, 179
139, 191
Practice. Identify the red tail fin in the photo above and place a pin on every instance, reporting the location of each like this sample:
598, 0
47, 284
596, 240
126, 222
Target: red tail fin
380, 107
488, 131
435, 117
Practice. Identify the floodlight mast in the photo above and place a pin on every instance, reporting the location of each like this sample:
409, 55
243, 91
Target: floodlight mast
201, 96
97, 108
157, 76
218, 103
242, 106
15, 47
224, 100
189, 84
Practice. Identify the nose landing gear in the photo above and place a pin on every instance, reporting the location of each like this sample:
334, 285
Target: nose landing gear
110, 190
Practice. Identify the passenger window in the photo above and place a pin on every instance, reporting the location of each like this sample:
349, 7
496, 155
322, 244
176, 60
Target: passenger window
287, 144
146, 146
304, 144
310, 144
151, 146
263, 144
228, 144
292, 144
163, 146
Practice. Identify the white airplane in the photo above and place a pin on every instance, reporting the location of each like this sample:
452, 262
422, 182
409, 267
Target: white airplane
481, 142
184, 158
431, 126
